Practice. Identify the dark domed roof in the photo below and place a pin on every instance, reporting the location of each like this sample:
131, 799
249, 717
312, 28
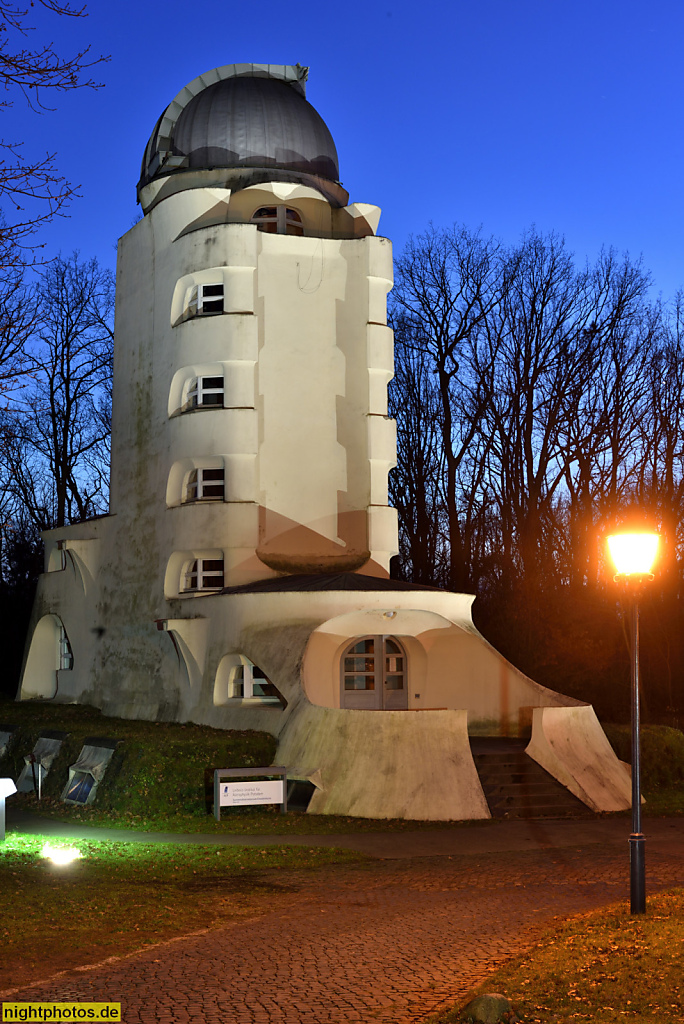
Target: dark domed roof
255, 122
244, 120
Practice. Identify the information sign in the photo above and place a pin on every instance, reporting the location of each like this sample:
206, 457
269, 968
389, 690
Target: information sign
253, 790
235, 794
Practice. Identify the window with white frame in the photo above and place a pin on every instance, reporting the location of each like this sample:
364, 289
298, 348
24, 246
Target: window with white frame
249, 682
205, 485
278, 220
204, 574
206, 299
66, 657
205, 393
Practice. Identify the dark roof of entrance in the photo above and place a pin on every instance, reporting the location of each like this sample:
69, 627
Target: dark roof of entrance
325, 581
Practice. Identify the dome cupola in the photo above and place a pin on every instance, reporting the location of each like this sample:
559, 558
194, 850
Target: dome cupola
244, 123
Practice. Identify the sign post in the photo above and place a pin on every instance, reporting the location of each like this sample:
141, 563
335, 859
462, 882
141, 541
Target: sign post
252, 793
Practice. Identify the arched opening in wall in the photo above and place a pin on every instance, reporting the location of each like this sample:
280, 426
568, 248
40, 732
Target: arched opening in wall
374, 674
239, 679
50, 652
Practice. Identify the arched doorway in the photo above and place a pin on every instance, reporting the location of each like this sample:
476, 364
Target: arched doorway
49, 653
374, 677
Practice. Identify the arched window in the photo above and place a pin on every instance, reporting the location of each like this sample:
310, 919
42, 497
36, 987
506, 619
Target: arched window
239, 679
205, 485
204, 393
278, 220
203, 574
373, 672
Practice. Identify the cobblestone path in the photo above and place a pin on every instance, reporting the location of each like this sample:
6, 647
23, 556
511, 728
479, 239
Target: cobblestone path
385, 942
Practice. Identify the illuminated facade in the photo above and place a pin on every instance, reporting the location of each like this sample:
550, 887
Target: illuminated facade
241, 578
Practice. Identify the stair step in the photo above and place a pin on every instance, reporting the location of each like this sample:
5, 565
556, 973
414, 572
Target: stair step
515, 786
538, 790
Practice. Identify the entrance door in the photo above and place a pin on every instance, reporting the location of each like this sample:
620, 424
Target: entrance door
374, 675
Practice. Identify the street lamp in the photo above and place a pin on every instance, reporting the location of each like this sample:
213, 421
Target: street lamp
634, 555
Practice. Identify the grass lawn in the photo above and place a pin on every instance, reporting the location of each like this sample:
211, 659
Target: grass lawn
234, 821
121, 897
601, 967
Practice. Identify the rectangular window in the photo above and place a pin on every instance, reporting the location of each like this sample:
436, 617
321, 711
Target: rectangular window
204, 574
209, 299
205, 392
206, 485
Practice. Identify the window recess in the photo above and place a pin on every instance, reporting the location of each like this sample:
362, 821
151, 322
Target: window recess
249, 682
206, 300
204, 574
205, 485
278, 220
205, 393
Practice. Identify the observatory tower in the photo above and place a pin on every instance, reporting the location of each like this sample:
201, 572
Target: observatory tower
241, 577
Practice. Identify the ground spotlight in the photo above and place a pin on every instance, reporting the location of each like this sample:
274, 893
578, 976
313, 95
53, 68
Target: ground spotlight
60, 854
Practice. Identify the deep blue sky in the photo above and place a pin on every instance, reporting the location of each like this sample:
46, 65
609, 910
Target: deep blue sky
500, 113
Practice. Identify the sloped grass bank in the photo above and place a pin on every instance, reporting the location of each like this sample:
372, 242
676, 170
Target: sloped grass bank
121, 897
158, 769
662, 765
602, 967
160, 778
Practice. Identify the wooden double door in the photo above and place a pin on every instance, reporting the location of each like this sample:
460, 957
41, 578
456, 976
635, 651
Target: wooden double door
374, 676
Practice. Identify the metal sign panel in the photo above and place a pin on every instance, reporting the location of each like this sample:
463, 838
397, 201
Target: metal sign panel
235, 794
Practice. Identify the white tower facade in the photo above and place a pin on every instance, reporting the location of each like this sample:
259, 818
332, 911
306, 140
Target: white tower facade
257, 317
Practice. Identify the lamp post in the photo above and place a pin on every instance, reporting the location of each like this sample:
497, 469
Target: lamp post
633, 555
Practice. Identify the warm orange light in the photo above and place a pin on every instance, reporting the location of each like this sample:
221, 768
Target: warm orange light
634, 554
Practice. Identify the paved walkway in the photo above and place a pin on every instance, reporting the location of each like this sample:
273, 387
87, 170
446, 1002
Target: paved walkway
387, 942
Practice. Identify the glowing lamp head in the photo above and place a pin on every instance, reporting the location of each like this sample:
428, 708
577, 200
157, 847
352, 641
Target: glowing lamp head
61, 854
633, 554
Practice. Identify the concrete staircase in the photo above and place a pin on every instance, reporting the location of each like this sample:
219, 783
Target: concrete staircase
516, 786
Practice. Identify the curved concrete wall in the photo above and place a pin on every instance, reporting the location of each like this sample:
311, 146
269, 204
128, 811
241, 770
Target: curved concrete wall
570, 744
390, 764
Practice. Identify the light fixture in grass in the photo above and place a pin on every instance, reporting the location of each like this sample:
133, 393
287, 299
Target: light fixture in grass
60, 854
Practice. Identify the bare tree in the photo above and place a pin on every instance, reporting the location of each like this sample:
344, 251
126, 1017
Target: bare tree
58, 439
32, 191
416, 489
447, 284
551, 399
561, 358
